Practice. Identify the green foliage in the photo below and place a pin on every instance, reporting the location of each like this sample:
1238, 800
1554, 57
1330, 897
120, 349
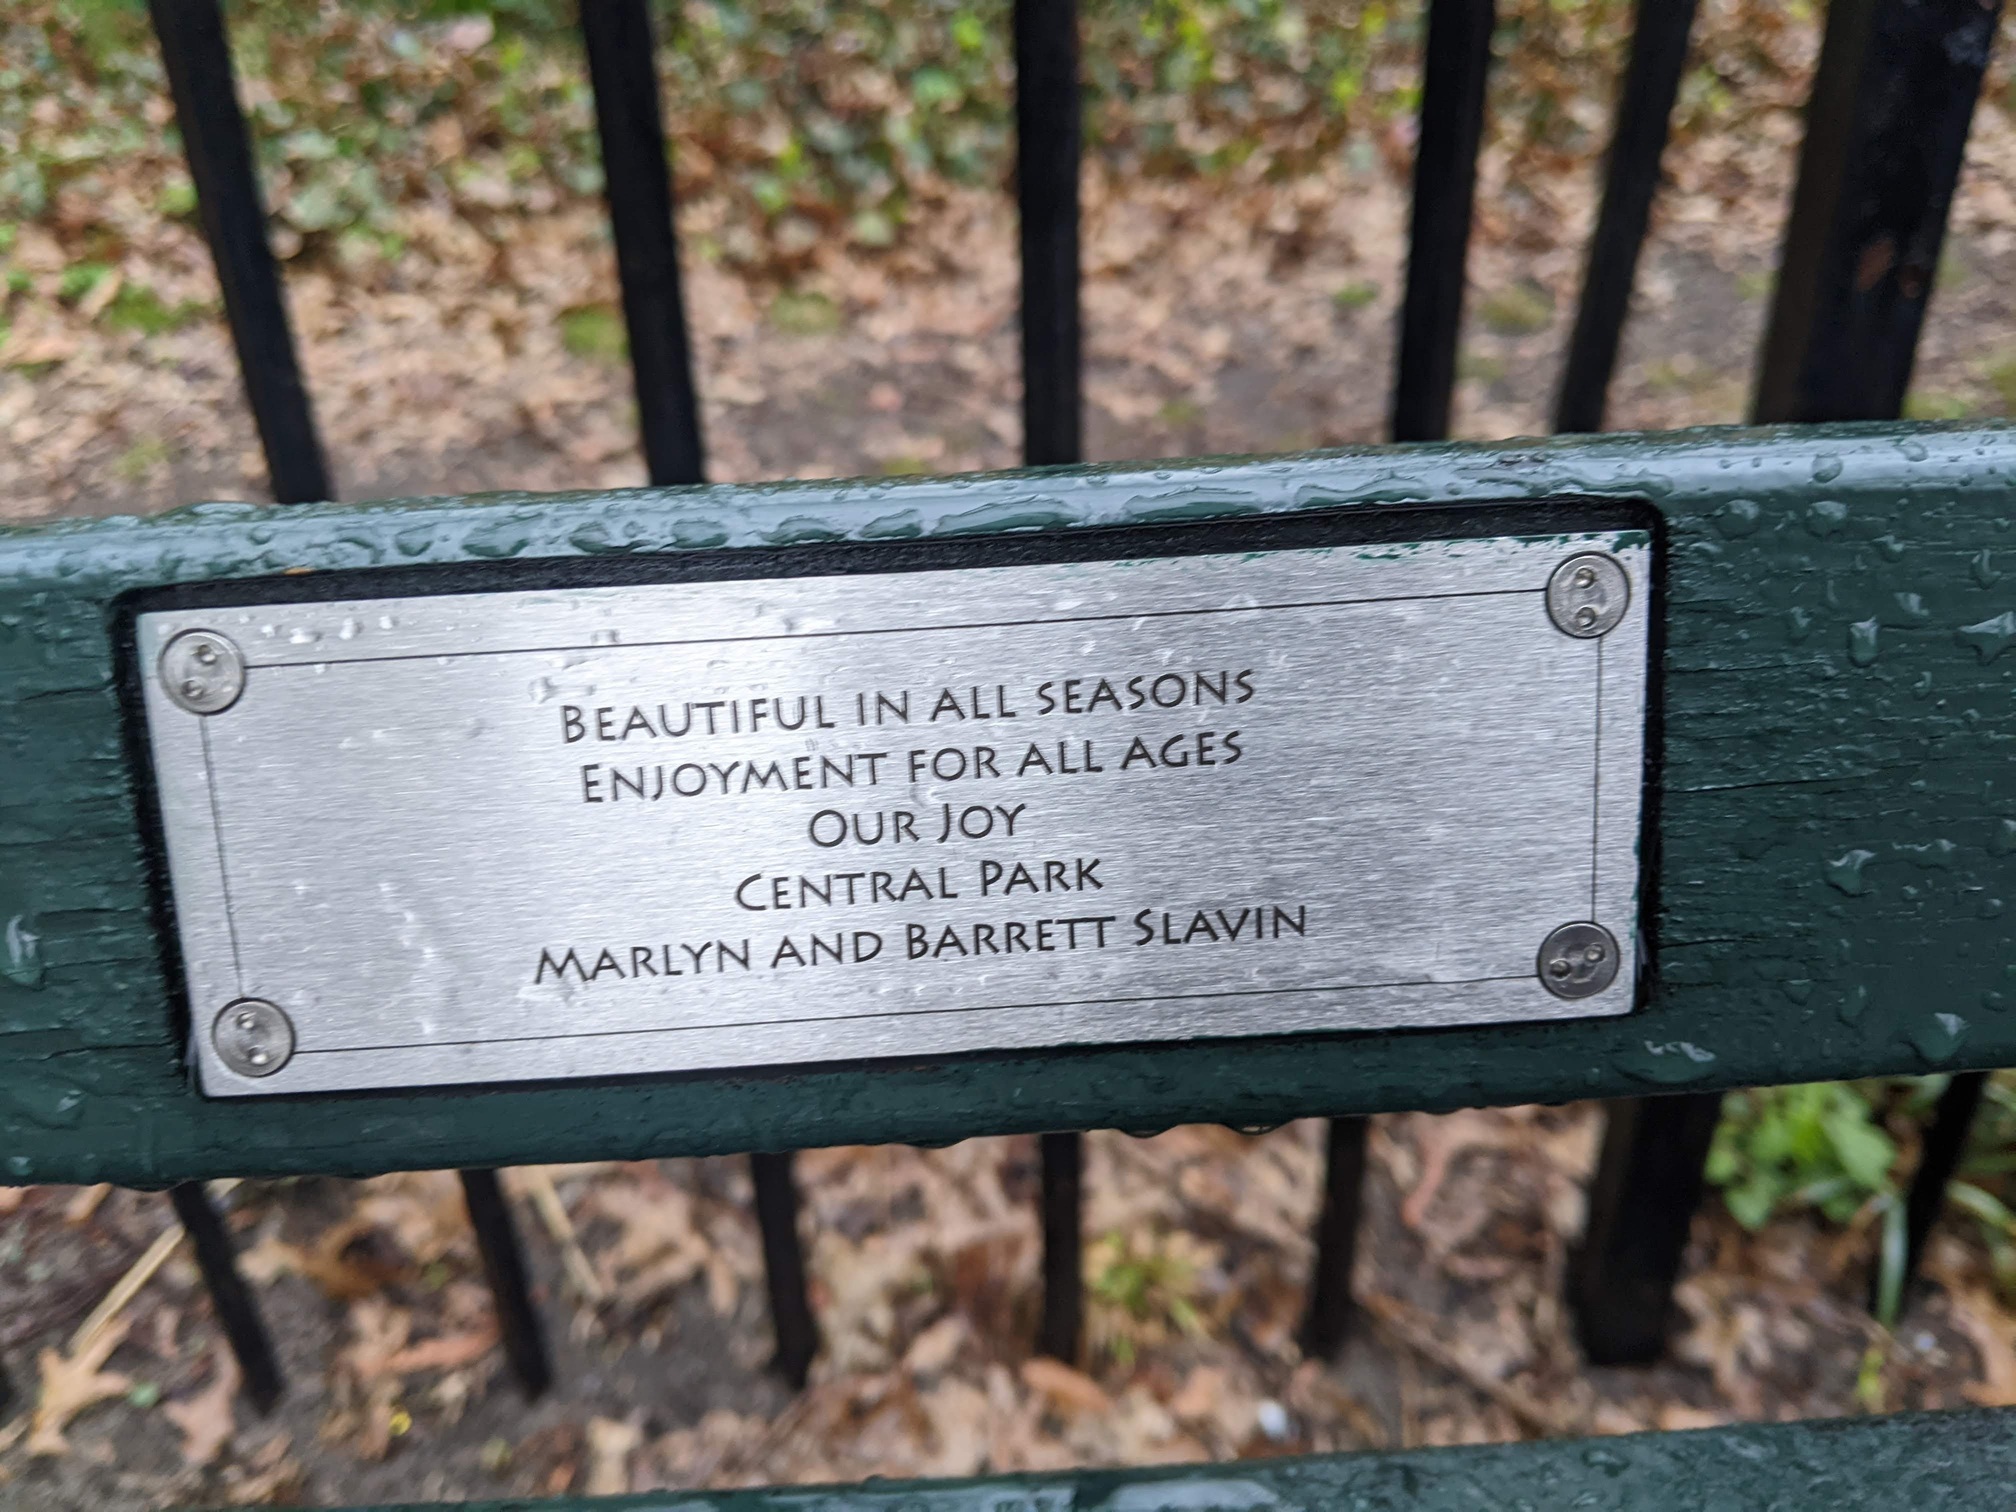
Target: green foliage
1519, 309
594, 331
1813, 1146
1354, 295
788, 113
804, 314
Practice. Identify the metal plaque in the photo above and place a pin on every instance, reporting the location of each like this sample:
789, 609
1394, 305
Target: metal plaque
598, 831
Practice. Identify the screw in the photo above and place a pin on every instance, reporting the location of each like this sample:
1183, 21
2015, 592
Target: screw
1578, 961
1587, 595
202, 671
253, 1037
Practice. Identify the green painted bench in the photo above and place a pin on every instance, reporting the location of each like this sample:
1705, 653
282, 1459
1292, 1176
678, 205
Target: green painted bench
1831, 819
1960, 1459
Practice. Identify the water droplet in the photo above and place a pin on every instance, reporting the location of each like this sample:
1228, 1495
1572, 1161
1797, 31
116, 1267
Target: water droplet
303, 636
1891, 547
1738, 518
1798, 624
543, 690
1670, 1063
1911, 608
1854, 1003
1845, 873
53, 1105
349, 629
1826, 516
1862, 648
1938, 1037
1826, 467
602, 638
1991, 637
2002, 839
1913, 448
1984, 568
22, 963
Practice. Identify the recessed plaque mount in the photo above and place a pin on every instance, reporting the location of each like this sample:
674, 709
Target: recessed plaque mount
591, 831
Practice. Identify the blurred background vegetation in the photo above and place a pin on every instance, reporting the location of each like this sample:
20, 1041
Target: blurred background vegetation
794, 121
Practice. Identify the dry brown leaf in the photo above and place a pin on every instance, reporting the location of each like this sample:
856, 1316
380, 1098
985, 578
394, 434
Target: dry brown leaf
610, 1445
1993, 1334
934, 1349
206, 1419
1201, 1395
449, 1352
1070, 1391
72, 1382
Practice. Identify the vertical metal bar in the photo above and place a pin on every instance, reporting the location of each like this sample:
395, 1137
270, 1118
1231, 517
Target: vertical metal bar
1328, 1317
1641, 1205
1886, 132
622, 68
1063, 1246
1945, 1144
784, 1265
237, 1309
1454, 71
6, 1392
504, 1267
1630, 178
198, 62
1048, 131
1049, 138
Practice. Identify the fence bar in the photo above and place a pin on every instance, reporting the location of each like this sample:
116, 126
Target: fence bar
504, 1267
1886, 131
1328, 1317
784, 1266
1445, 178
1063, 1322
6, 1392
1945, 1144
197, 58
622, 67
1641, 1205
1631, 177
237, 1309
1048, 131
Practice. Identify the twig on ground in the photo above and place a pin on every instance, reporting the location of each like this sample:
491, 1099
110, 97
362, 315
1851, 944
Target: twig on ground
127, 1287
537, 1184
1409, 1327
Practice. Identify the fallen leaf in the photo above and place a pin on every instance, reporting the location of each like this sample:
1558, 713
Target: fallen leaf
610, 1445
1991, 1333
1200, 1395
932, 1350
449, 1352
206, 1418
1070, 1391
70, 1383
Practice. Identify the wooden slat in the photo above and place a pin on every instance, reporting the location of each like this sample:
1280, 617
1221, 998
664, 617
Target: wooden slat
1929, 1461
1778, 726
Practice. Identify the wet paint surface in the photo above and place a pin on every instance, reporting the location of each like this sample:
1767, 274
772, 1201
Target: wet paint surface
1922, 1460
1836, 805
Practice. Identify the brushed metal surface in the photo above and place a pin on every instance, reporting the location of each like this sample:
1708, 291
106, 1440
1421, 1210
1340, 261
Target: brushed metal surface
643, 829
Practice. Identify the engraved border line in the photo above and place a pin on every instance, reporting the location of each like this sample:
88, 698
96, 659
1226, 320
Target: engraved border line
736, 640
898, 1013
